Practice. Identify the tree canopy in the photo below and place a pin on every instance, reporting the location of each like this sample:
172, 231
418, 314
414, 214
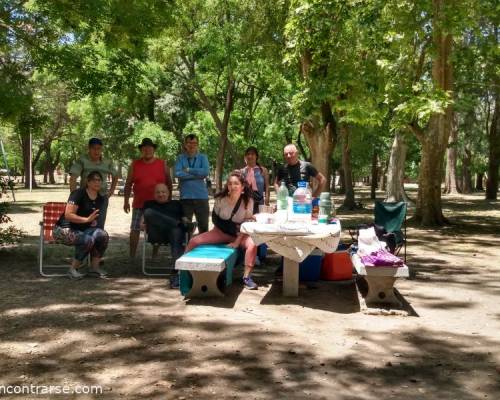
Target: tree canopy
342, 78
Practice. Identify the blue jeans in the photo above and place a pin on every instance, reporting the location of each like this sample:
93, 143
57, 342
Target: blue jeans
164, 229
93, 241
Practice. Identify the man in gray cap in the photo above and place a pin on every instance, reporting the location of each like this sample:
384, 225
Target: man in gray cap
94, 161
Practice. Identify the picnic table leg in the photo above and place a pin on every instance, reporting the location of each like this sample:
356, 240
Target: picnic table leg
204, 284
381, 290
290, 277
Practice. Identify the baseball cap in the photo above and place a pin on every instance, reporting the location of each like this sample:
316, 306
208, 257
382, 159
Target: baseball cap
95, 140
147, 142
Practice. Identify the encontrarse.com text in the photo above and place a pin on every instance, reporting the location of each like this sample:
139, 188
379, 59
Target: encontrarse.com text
48, 389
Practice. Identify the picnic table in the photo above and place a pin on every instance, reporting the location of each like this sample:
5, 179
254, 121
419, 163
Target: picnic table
294, 241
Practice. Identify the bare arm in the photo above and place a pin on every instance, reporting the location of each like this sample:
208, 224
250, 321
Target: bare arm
70, 215
321, 184
127, 191
114, 182
168, 181
72, 183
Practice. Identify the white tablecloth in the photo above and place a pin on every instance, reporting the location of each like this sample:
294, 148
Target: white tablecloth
294, 240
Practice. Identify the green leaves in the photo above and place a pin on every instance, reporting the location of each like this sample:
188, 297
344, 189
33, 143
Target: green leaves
420, 108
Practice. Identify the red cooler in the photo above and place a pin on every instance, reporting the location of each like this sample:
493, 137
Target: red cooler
336, 266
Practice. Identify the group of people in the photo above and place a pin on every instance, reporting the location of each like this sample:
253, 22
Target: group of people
166, 220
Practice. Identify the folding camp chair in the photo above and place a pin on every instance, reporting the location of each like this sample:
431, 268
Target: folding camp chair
157, 270
51, 213
392, 217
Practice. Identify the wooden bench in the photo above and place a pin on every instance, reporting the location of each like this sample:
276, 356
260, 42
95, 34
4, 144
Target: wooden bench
380, 281
200, 268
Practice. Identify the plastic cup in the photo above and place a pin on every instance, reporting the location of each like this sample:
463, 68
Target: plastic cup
265, 209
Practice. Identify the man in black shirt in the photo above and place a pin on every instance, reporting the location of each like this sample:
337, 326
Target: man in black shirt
296, 170
163, 222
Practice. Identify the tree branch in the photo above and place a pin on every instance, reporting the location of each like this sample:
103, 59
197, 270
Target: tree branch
418, 132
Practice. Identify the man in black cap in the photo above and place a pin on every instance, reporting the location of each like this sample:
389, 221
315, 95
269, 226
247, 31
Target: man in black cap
144, 174
94, 161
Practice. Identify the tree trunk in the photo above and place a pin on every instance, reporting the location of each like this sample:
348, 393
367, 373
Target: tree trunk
319, 129
396, 170
332, 182
25, 144
45, 172
151, 106
222, 127
494, 153
479, 182
429, 211
466, 171
341, 181
52, 178
374, 177
451, 179
349, 201
321, 136
382, 184
219, 161
429, 207
213, 105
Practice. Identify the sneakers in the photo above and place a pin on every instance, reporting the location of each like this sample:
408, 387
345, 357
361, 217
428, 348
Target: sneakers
75, 274
249, 283
174, 282
99, 272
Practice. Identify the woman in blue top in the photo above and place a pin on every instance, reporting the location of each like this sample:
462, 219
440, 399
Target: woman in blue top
257, 177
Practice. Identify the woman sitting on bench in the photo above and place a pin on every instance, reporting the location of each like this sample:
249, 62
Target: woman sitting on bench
233, 206
81, 227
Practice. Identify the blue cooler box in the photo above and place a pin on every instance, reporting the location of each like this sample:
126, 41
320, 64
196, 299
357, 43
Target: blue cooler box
310, 268
262, 252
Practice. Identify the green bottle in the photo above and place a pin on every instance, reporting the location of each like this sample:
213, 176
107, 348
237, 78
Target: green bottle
326, 208
282, 197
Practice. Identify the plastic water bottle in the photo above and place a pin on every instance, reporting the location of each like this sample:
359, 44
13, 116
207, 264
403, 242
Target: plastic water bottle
302, 203
282, 197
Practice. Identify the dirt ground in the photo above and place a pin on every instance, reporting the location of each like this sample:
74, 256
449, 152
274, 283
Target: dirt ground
137, 339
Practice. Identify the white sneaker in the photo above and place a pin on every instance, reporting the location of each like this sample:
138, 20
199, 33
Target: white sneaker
75, 274
99, 272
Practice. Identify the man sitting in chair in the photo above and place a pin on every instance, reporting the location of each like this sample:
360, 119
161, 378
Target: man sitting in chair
163, 221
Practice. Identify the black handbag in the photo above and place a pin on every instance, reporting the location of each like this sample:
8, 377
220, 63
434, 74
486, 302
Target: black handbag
227, 225
257, 197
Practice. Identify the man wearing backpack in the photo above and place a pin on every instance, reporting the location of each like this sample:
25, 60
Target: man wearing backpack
94, 161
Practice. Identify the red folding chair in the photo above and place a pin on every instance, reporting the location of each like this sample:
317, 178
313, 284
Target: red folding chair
51, 213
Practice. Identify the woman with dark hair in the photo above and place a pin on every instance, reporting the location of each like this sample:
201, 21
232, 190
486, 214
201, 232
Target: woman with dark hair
257, 178
80, 226
233, 206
